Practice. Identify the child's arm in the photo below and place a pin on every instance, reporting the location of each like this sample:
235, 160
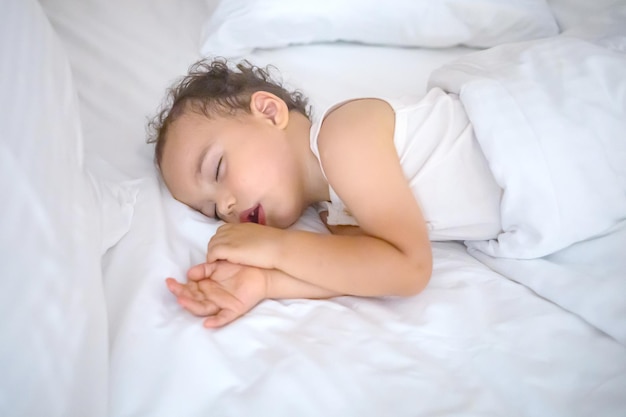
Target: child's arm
271, 283
392, 257
282, 286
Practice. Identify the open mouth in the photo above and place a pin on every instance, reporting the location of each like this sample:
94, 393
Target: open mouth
255, 215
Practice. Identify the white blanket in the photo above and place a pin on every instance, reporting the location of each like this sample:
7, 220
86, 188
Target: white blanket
550, 116
587, 279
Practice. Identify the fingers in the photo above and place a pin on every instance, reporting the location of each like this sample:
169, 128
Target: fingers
216, 271
191, 298
221, 244
215, 252
222, 318
177, 288
206, 298
201, 271
198, 308
189, 290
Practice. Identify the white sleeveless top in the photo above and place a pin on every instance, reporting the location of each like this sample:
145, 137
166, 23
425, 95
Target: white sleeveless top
444, 165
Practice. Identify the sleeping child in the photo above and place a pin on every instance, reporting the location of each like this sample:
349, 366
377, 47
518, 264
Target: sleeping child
386, 176
235, 145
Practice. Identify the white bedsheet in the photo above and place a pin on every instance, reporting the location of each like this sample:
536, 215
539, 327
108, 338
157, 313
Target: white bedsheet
474, 343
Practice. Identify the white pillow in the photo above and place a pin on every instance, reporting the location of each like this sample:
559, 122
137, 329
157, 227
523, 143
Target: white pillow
236, 27
571, 13
54, 349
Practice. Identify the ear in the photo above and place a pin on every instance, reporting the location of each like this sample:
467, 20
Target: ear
270, 107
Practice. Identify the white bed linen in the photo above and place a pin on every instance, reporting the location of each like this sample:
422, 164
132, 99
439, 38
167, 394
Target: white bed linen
557, 146
474, 343
124, 54
239, 26
53, 330
587, 278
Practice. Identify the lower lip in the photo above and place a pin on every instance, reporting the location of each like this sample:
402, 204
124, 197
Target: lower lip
261, 215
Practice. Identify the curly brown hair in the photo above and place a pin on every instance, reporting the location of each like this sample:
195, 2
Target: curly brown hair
213, 87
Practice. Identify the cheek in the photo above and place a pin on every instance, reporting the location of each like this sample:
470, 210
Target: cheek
261, 167
290, 211
265, 166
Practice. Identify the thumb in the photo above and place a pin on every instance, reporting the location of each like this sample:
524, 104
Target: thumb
213, 255
201, 271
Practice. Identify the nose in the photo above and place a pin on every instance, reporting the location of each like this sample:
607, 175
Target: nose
226, 205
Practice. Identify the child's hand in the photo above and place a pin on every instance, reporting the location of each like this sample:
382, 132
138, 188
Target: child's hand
220, 291
245, 243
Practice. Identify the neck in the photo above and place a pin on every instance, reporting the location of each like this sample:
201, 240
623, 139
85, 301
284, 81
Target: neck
314, 184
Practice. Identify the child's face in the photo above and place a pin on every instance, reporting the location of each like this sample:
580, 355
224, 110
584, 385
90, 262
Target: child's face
240, 168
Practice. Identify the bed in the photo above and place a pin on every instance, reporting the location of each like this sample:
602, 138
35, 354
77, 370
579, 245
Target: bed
89, 233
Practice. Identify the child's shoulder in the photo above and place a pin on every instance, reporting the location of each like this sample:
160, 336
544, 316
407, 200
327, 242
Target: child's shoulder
355, 119
352, 134
359, 106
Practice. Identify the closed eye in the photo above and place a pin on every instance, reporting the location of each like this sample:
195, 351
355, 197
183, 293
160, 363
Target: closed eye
217, 177
217, 170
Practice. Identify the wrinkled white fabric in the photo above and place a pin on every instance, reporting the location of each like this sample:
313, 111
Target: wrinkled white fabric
550, 116
53, 331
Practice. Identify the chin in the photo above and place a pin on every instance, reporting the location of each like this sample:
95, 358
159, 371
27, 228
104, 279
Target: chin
285, 221
282, 224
